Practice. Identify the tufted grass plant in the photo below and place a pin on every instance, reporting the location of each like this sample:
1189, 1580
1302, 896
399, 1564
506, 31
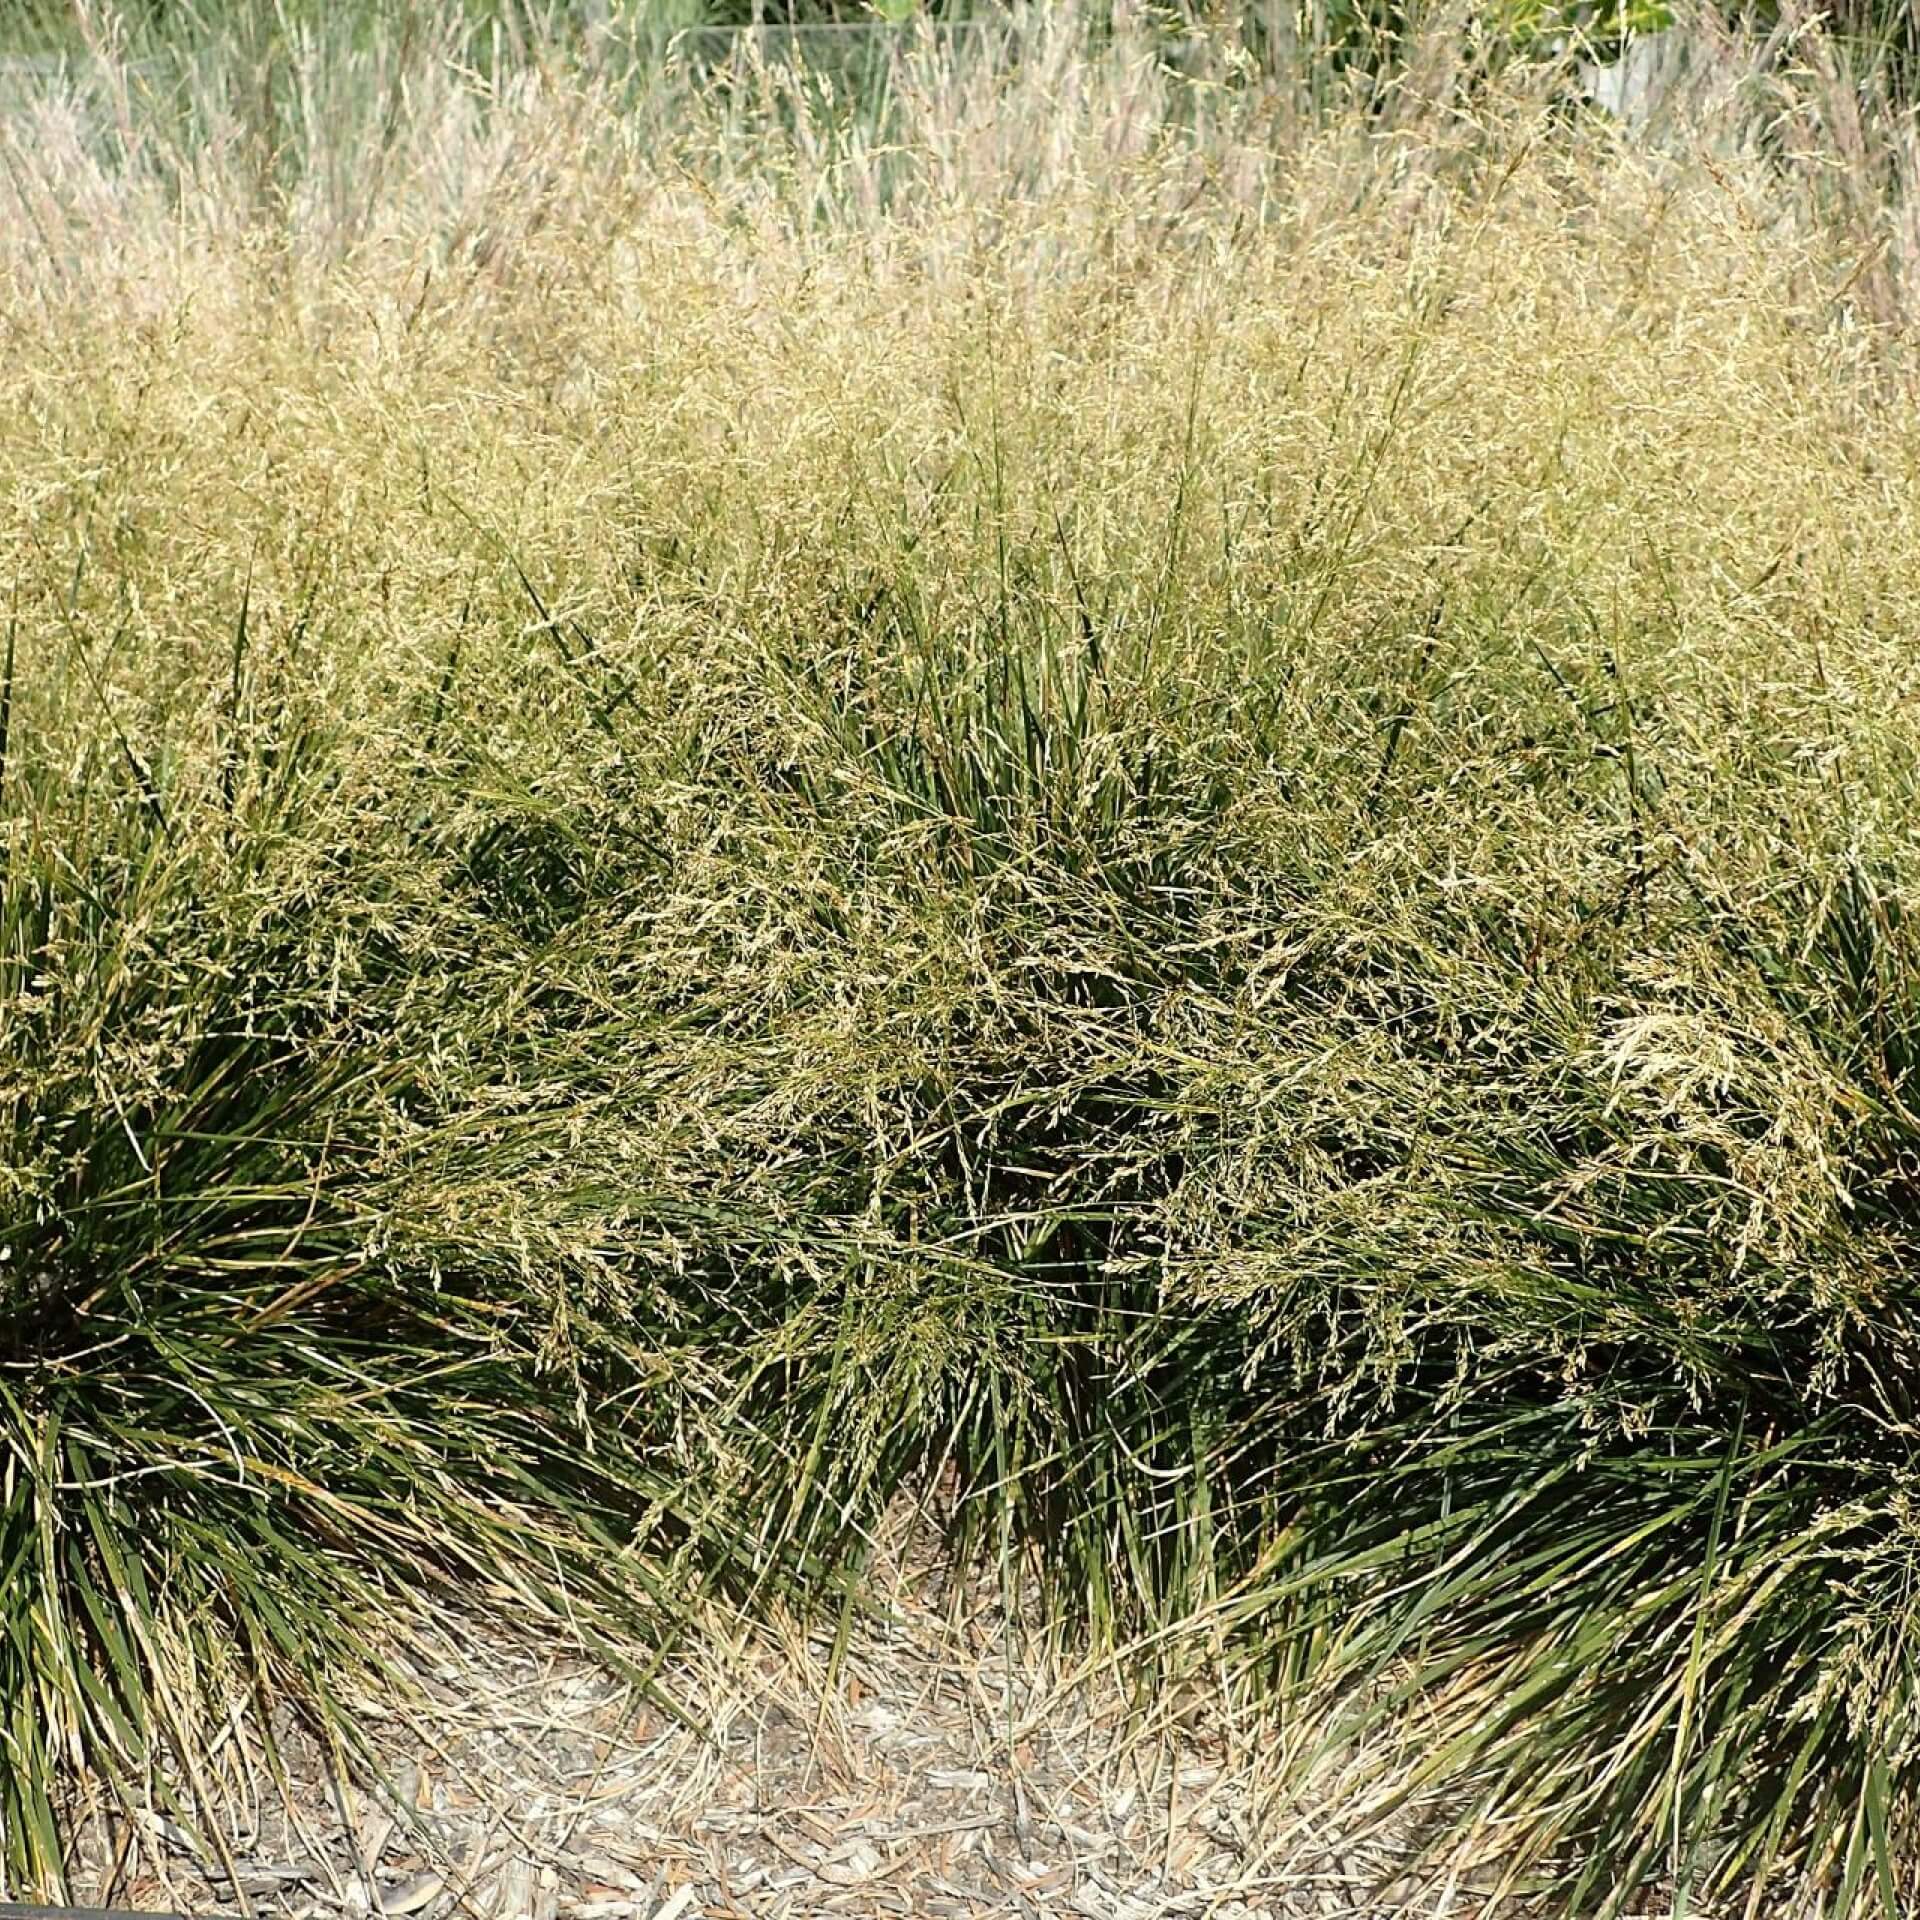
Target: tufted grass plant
1178, 821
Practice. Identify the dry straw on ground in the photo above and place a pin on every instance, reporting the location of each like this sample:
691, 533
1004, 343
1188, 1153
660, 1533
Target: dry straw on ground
935, 1761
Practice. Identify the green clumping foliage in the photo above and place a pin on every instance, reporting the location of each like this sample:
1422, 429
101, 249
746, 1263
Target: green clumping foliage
1174, 815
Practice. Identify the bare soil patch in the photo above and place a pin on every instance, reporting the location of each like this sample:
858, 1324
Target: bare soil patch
943, 1761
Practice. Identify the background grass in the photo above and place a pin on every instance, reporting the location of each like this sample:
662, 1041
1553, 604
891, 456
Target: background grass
1182, 812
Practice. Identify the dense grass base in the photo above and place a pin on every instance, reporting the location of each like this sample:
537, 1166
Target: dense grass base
1192, 820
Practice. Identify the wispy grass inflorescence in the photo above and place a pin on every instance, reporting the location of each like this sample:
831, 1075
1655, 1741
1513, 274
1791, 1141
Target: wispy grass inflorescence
1086, 785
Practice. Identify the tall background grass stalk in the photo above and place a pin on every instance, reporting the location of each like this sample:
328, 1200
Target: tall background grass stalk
1166, 801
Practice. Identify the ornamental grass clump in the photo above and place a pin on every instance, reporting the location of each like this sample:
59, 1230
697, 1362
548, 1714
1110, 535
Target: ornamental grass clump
1179, 819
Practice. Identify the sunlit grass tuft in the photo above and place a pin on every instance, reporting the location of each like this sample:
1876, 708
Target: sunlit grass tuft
1173, 817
